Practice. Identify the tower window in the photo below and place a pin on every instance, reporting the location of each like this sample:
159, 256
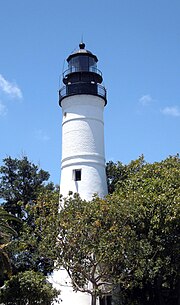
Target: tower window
77, 174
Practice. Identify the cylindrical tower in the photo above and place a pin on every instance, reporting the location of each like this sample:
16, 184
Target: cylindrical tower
82, 99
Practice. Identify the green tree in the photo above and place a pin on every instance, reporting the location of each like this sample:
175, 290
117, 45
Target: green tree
86, 230
35, 248
20, 180
31, 253
6, 234
130, 239
28, 288
149, 269
118, 173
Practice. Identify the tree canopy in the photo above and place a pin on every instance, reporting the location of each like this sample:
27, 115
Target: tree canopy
20, 180
22, 186
152, 194
126, 244
28, 288
129, 239
26, 193
6, 234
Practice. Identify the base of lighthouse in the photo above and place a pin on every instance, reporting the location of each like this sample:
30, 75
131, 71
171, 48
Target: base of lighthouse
68, 296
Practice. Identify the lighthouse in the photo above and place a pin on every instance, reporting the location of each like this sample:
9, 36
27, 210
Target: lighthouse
83, 98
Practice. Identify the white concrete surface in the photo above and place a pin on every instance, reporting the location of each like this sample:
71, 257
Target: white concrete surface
82, 149
83, 146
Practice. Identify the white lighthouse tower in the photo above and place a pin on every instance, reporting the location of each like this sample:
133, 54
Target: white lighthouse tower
82, 99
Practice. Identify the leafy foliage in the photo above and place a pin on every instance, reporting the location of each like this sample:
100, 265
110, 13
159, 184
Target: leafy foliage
79, 246
6, 234
149, 269
35, 248
20, 180
130, 239
118, 173
21, 183
31, 253
28, 288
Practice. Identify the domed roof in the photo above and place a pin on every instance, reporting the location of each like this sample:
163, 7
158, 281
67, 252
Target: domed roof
82, 51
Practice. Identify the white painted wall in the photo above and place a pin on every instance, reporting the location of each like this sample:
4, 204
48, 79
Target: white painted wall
61, 281
83, 146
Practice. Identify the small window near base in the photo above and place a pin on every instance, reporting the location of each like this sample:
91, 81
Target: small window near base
77, 174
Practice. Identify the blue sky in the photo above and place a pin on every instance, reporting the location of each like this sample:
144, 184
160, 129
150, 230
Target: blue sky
137, 43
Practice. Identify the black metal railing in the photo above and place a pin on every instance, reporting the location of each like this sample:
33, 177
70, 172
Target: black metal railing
82, 69
82, 88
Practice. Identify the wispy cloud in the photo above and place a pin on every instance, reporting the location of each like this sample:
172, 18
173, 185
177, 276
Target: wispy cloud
172, 111
146, 100
3, 109
42, 136
9, 88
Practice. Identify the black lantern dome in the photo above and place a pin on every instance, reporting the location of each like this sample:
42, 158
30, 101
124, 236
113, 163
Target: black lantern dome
82, 75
